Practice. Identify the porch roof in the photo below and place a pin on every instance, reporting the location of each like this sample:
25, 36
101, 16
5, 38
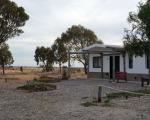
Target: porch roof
100, 48
103, 48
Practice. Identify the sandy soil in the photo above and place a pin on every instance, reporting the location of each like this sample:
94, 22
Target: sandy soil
65, 102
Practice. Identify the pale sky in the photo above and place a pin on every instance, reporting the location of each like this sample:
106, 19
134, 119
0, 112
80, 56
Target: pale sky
49, 18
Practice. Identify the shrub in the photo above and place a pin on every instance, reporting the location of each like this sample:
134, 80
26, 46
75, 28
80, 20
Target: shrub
107, 102
122, 94
88, 104
37, 87
47, 79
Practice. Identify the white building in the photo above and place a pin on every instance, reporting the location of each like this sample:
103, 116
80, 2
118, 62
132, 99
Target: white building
105, 60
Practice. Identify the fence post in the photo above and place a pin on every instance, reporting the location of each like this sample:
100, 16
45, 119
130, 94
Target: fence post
100, 94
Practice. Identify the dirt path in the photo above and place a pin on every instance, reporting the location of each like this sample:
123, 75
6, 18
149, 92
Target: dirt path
65, 103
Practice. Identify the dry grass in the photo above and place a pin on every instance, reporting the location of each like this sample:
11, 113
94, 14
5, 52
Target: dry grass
29, 73
78, 73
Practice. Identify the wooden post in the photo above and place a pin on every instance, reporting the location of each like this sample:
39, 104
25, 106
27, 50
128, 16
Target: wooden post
100, 94
88, 69
113, 67
69, 74
102, 69
124, 65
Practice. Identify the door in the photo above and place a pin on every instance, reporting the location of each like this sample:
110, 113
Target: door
111, 67
117, 65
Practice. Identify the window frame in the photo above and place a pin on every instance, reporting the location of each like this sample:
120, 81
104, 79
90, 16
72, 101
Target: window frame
130, 62
98, 60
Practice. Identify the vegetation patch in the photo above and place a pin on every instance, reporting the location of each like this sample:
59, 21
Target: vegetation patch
145, 91
137, 93
33, 86
48, 80
122, 95
89, 104
107, 103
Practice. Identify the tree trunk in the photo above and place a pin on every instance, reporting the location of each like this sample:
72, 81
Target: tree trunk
85, 68
85, 63
60, 67
46, 68
3, 66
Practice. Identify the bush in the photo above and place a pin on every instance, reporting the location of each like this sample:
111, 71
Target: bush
88, 104
122, 94
47, 79
37, 87
107, 103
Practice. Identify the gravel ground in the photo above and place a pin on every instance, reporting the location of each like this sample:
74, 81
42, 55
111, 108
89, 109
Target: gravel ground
65, 102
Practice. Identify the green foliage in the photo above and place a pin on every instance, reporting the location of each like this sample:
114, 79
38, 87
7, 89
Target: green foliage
76, 38
44, 57
136, 93
89, 104
144, 16
12, 18
137, 40
37, 87
5, 56
114, 95
60, 52
122, 94
47, 80
107, 102
145, 91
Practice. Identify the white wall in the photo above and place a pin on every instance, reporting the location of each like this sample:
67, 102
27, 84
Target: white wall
106, 64
139, 65
121, 64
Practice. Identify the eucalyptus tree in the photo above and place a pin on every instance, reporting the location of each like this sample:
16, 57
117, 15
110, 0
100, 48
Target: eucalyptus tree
137, 40
5, 56
44, 57
12, 18
76, 38
60, 52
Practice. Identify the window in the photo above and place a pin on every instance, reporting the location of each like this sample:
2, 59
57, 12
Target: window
130, 62
147, 62
96, 62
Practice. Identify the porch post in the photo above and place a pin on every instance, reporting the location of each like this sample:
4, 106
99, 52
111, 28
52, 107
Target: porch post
88, 59
113, 66
124, 64
69, 64
102, 66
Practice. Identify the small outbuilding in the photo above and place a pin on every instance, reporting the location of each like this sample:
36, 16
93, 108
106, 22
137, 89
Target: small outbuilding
104, 61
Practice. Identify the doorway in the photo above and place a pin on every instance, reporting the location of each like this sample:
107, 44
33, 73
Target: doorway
117, 65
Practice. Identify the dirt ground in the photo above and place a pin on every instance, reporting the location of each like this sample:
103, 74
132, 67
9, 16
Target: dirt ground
65, 102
